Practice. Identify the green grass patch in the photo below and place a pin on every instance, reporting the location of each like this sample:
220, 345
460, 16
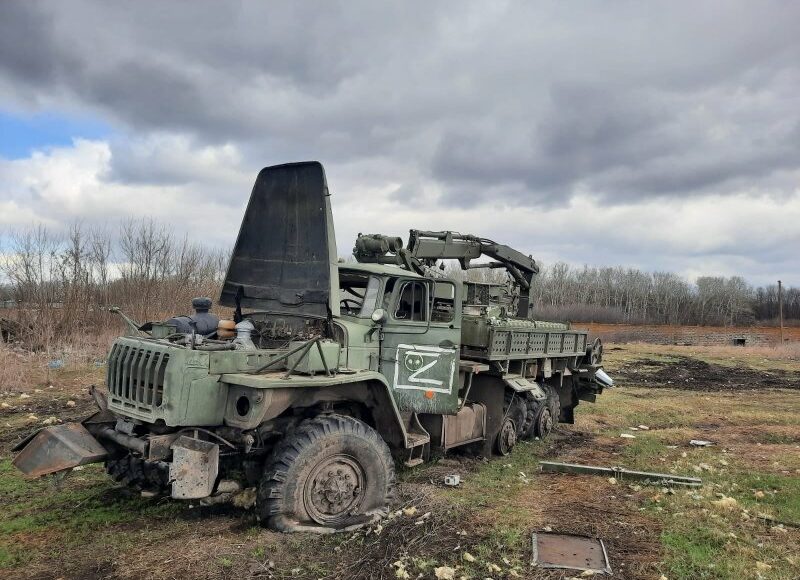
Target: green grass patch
694, 552
644, 451
781, 494
66, 511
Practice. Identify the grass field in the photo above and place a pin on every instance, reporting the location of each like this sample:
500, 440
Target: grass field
84, 526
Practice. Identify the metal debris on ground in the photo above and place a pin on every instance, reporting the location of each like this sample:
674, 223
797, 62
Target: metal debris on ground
700, 443
778, 523
620, 473
570, 552
452, 480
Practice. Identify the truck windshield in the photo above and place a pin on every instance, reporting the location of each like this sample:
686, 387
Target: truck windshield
358, 293
370, 298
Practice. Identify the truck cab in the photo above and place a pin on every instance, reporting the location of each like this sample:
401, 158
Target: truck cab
416, 342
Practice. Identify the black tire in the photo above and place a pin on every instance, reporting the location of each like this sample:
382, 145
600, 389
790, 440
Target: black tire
137, 474
532, 407
515, 409
543, 424
548, 414
594, 353
332, 473
513, 424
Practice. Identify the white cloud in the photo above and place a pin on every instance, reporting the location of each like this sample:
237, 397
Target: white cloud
702, 235
63, 184
658, 136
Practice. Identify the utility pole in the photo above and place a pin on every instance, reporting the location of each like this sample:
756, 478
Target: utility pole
780, 307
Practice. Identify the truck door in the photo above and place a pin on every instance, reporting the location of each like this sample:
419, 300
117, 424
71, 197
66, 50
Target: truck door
420, 346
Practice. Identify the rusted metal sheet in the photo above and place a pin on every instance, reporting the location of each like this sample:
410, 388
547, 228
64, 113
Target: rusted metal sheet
58, 448
468, 425
564, 551
159, 446
194, 468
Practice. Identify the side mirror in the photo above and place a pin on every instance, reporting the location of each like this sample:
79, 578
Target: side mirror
379, 316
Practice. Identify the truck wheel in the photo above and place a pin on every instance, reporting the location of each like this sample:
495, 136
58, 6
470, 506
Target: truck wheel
507, 437
531, 410
544, 422
333, 473
515, 409
513, 425
548, 414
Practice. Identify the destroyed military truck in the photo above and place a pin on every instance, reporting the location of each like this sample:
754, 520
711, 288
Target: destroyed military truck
329, 372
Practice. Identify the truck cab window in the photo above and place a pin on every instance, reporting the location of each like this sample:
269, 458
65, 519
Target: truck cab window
412, 302
444, 296
358, 293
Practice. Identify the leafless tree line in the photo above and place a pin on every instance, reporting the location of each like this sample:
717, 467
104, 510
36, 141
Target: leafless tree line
615, 294
66, 283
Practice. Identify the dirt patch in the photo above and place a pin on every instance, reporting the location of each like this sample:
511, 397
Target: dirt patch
17, 423
681, 372
589, 506
229, 543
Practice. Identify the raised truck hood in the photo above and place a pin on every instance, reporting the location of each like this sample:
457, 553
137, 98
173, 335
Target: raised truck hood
284, 260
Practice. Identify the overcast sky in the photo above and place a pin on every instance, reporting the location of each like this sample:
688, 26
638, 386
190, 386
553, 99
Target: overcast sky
664, 136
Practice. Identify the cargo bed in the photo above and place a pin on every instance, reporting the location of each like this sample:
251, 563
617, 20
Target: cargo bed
512, 339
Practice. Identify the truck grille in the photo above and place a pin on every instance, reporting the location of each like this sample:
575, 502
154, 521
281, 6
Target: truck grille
136, 376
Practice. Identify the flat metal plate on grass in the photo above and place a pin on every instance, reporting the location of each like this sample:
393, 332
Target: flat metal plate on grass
570, 552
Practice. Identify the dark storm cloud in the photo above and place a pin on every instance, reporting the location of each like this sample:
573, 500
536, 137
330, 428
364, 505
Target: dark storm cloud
522, 103
28, 52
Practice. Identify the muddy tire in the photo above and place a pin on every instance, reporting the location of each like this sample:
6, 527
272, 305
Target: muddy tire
514, 408
548, 414
532, 407
506, 438
138, 474
332, 473
543, 425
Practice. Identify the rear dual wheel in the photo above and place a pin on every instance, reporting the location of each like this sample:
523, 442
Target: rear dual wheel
513, 425
507, 437
541, 416
333, 473
543, 424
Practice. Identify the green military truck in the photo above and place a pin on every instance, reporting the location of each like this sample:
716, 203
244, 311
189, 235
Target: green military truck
329, 372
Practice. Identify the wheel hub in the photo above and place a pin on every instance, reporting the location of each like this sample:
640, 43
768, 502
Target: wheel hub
507, 437
545, 423
333, 489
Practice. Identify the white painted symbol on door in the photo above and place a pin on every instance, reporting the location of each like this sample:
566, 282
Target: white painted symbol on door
425, 368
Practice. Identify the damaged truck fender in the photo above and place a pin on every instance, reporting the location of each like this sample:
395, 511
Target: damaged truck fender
254, 400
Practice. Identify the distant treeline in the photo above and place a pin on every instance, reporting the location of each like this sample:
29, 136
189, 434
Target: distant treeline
64, 284
628, 295
61, 283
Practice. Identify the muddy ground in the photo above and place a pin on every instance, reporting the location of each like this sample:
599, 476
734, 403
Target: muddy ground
683, 372
87, 527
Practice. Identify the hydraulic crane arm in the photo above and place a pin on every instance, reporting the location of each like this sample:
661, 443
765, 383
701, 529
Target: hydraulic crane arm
425, 248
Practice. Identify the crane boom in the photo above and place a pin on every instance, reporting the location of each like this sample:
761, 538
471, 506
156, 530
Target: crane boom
425, 248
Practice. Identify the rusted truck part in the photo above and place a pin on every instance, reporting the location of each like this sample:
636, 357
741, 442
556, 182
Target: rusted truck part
329, 372
58, 448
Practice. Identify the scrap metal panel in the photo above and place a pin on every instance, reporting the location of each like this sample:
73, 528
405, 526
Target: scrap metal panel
564, 551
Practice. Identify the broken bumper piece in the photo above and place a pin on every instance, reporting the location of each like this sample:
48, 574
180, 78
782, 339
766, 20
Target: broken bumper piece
58, 448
